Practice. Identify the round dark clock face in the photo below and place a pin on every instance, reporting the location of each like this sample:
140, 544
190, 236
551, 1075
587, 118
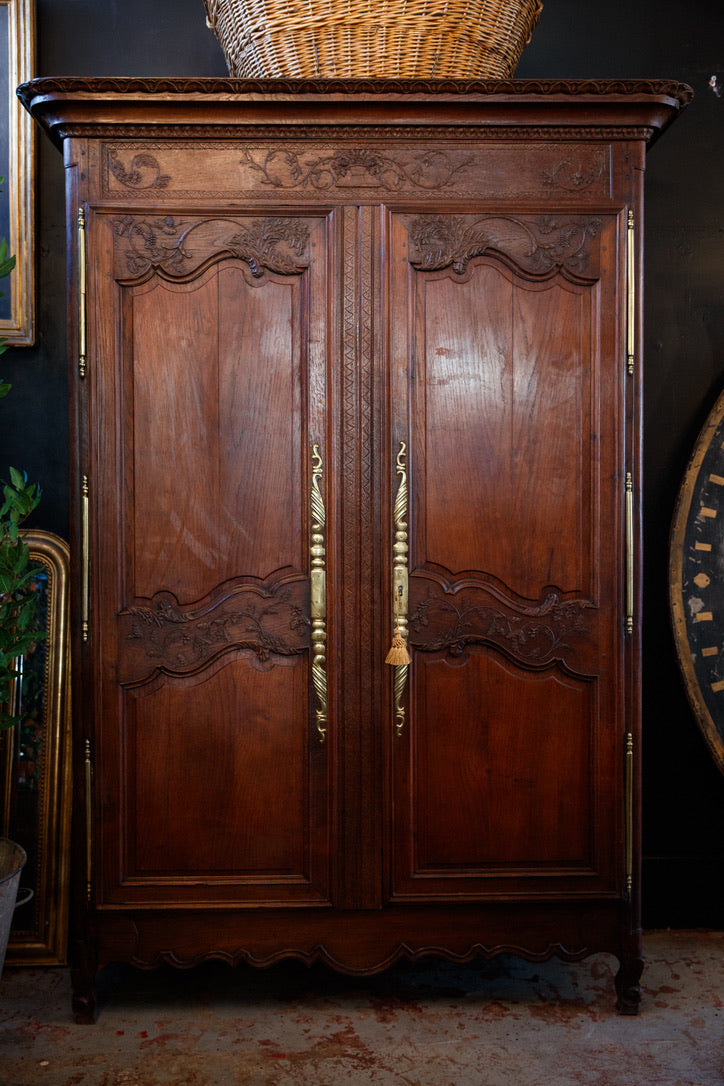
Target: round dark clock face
696, 580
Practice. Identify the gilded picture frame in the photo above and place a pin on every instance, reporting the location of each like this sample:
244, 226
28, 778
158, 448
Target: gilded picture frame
696, 585
17, 167
35, 767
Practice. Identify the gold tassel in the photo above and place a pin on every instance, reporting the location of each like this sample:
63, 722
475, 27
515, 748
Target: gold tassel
398, 653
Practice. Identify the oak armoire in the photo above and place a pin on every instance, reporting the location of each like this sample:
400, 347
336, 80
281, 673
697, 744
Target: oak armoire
354, 364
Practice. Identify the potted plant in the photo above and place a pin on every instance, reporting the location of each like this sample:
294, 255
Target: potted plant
17, 629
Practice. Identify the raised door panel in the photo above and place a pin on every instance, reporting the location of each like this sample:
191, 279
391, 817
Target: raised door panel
210, 396
506, 387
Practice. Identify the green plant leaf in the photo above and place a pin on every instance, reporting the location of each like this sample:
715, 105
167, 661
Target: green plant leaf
18, 478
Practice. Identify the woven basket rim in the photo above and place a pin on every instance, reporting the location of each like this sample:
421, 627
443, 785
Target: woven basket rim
391, 38
522, 12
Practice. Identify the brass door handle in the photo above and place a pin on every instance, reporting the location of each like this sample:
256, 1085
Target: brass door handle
318, 595
398, 656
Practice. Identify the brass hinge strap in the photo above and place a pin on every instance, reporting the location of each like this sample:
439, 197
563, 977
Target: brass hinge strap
82, 313
630, 294
629, 799
318, 592
85, 558
629, 554
88, 819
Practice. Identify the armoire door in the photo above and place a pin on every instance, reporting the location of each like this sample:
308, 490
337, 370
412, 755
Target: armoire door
206, 478
506, 389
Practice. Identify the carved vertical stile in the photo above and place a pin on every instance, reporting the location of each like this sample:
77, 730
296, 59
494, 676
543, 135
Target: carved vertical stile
359, 876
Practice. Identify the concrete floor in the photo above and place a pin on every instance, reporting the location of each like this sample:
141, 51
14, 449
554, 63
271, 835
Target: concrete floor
505, 1023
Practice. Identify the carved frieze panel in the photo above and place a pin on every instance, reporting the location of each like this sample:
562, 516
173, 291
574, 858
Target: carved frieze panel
451, 619
178, 246
376, 163
355, 168
265, 623
539, 245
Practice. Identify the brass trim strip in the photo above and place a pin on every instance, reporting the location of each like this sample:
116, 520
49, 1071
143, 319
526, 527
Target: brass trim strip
398, 655
88, 819
629, 555
630, 295
82, 282
629, 812
85, 581
318, 593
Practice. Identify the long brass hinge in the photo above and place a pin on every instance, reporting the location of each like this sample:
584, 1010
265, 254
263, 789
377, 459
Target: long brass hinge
629, 800
82, 316
630, 295
88, 819
629, 554
85, 558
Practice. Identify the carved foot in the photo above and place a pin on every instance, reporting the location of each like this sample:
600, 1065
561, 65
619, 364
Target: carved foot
83, 978
628, 990
84, 1008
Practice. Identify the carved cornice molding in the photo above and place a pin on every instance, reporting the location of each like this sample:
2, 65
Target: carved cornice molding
185, 107
282, 131
515, 88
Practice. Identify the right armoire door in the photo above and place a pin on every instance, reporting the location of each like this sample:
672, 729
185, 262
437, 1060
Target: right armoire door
507, 433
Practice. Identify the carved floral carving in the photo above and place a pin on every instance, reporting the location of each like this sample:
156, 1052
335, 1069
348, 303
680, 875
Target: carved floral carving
572, 175
534, 634
356, 167
178, 246
164, 635
539, 245
144, 171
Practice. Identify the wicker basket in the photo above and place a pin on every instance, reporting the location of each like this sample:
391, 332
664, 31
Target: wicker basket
406, 39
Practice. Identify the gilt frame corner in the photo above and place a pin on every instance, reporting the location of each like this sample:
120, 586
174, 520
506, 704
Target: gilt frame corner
17, 166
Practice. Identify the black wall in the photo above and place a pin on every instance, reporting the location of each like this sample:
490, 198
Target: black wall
684, 336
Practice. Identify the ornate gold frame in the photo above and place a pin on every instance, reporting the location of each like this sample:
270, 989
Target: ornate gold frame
39, 934
19, 184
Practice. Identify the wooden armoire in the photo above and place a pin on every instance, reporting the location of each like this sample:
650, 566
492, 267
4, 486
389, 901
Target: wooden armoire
355, 363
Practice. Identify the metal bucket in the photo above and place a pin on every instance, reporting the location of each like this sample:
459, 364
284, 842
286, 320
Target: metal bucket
12, 861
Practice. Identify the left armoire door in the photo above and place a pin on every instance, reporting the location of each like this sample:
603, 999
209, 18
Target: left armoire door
207, 478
